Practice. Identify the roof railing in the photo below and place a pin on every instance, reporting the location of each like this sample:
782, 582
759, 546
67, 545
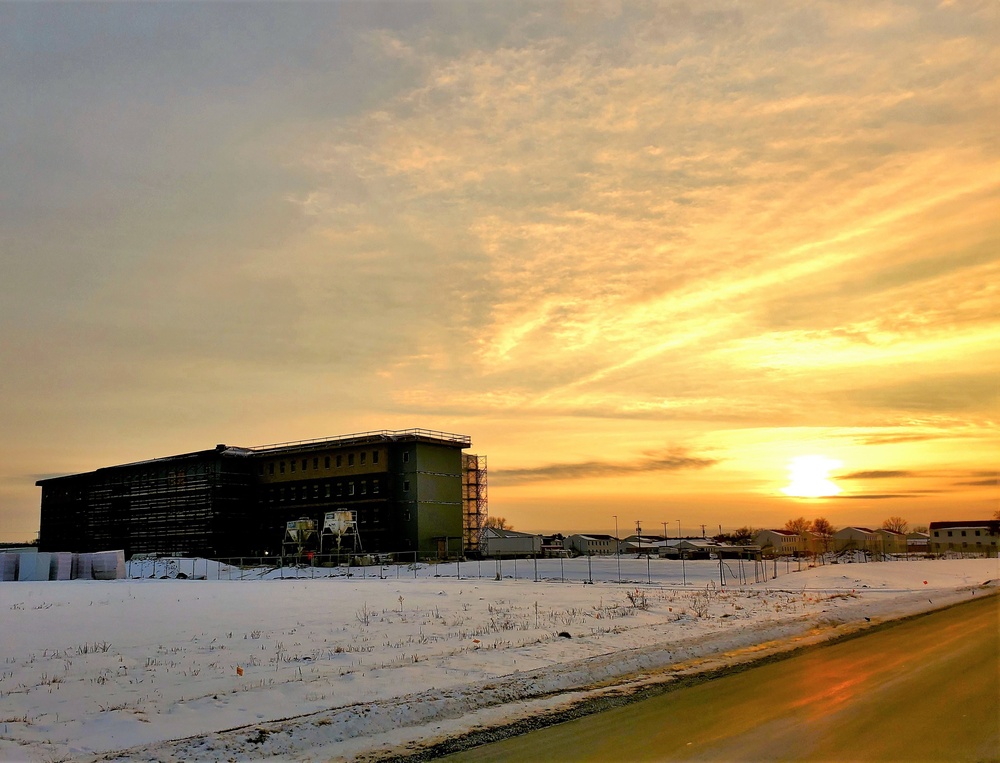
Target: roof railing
379, 434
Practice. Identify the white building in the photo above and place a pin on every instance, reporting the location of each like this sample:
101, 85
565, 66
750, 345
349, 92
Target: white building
508, 543
591, 545
779, 542
857, 539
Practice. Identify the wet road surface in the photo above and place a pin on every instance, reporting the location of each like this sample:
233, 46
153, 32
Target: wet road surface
924, 689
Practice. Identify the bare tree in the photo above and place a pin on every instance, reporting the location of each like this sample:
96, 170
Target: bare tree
800, 525
497, 523
822, 527
895, 524
742, 536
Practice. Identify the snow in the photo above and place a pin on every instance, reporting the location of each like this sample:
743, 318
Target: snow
288, 666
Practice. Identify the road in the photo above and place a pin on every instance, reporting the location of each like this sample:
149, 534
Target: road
924, 689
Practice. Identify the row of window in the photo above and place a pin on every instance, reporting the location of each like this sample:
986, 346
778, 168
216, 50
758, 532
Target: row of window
297, 464
937, 533
965, 544
326, 490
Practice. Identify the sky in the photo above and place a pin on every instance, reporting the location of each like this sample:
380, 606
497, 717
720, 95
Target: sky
646, 255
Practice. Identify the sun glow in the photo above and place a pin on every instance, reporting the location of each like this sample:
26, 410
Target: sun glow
808, 477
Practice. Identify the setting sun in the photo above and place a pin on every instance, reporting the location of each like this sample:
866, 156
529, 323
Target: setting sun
809, 477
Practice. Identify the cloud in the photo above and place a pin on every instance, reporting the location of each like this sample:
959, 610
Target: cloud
875, 475
728, 217
994, 482
669, 461
885, 496
971, 391
896, 439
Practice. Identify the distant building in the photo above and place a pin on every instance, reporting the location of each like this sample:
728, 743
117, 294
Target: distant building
494, 542
892, 542
917, 543
591, 544
642, 544
779, 542
973, 537
553, 546
413, 490
857, 539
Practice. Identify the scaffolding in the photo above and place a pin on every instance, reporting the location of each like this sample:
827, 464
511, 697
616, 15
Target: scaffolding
474, 500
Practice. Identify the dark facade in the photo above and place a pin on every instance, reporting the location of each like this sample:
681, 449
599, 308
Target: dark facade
406, 487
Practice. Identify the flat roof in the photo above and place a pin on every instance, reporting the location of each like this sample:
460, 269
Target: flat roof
364, 438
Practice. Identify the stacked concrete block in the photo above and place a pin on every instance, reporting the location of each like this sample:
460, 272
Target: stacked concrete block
83, 567
108, 565
34, 566
61, 565
8, 567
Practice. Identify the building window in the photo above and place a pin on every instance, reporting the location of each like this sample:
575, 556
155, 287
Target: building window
291, 493
270, 495
375, 487
406, 456
364, 455
260, 471
281, 467
350, 459
364, 487
326, 493
339, 461
935, 533
316, 462
326, 462
350, 488
374, 456
270, 468
340, 489
977, 533
305, 464
949, 533
316, 490
291, 464
281, 496
406, 485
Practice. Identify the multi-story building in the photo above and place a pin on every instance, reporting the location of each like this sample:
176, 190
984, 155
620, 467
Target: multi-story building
408, 488
974, 537
779, 542
592, 545
857, 539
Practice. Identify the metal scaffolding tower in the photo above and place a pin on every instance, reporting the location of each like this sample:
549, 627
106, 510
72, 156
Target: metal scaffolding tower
474, 501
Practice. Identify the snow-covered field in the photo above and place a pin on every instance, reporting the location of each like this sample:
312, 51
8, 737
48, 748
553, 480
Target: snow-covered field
350, 667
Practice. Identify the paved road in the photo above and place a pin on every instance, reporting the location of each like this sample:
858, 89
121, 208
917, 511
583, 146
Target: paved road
925, 689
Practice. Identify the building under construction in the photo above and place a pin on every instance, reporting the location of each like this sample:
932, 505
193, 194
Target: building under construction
410, 490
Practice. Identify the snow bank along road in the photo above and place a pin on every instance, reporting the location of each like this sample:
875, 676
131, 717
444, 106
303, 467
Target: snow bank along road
348, 669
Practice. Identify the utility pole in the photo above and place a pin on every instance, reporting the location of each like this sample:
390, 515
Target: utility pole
638, 534
618, 551
680, 551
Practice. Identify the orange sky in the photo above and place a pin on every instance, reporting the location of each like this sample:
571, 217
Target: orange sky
644, 255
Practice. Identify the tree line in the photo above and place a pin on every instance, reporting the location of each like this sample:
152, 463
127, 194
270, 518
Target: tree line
800, 525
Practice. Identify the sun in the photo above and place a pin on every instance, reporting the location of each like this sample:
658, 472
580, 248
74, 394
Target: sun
808, 477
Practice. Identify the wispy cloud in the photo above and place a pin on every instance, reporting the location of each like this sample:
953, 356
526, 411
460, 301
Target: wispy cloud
749, 223
669, 461
875, 475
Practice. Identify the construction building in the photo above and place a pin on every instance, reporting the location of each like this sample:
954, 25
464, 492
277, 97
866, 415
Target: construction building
413, 490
